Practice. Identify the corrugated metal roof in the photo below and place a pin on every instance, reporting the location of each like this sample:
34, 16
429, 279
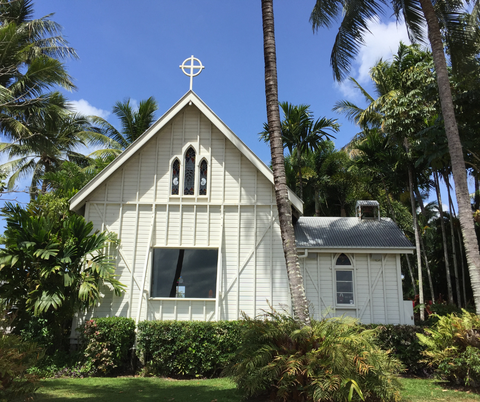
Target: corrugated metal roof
328, 232
372, 203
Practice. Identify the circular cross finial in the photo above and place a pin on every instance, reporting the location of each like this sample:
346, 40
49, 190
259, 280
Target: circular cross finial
192, 66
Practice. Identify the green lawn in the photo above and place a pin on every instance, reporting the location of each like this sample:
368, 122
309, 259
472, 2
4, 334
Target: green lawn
130, 389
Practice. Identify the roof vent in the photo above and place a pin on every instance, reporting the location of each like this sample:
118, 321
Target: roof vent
368, 209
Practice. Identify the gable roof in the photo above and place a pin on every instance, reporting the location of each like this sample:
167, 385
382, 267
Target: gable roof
188, 99
361, 235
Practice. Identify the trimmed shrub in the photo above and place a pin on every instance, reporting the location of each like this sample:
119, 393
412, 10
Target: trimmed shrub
403, 343
16, 357
187, 349
453, 348
333, 360
107, 343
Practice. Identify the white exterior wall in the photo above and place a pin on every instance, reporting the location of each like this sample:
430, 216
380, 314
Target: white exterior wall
237, 217
377, 287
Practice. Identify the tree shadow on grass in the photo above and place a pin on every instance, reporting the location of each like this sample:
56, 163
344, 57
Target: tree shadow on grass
136, 389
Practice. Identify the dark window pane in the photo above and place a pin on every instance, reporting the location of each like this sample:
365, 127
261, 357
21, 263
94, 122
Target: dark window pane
344, 287
175, 177
344, 275
189, 183
345, 298
203, 178
182, 273
343, 260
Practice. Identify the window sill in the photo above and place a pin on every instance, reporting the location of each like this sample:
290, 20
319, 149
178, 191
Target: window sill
212, 299
345, 306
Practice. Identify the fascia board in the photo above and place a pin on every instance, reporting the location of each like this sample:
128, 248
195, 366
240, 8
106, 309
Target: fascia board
358, 250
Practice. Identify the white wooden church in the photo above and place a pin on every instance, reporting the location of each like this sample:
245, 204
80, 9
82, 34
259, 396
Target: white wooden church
194, 209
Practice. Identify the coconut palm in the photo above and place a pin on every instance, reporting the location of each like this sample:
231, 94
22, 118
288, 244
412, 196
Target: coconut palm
30, 54
354, 24
53, 135
134, 122
297, 291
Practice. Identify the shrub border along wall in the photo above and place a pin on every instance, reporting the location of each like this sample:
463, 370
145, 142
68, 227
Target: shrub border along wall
187, 348
205, 349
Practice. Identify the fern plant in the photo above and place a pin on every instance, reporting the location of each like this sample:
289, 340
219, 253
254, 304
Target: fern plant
331, 360
453, 348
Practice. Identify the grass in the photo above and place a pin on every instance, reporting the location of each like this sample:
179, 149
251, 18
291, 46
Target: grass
132, 389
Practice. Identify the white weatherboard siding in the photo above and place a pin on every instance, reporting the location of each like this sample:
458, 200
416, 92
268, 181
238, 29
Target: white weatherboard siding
237, 217
377, 287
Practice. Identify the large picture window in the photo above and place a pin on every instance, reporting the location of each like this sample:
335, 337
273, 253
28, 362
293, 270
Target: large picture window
184, 273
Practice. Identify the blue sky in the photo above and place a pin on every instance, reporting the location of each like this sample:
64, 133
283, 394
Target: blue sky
133, 50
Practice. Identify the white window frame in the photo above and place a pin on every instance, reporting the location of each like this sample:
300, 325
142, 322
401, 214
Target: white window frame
345, 268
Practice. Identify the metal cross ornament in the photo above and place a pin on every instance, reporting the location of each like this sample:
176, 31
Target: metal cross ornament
192, 66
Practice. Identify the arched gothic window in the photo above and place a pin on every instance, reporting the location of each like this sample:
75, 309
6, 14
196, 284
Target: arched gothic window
203, 178
343, 260
189, 178
175, 176
344, 281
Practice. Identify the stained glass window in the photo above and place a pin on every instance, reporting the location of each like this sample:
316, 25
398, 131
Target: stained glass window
189, 179
175, 177
203, 177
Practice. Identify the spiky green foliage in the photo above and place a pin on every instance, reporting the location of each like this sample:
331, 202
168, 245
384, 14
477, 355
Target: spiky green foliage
331, 360
53, 264
453, 348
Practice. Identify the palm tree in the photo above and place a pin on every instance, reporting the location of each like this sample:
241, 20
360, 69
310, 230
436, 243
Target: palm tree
356, 14
297, 291
53, 135
301, 135
30, 54
134, 123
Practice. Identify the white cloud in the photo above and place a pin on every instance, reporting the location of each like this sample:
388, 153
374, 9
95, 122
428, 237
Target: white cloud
381, 43
82, 106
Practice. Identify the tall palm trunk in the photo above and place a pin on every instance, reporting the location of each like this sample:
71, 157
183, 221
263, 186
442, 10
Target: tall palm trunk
412, 277
297, 291
454, 248
455, 148
417, 244
444, 238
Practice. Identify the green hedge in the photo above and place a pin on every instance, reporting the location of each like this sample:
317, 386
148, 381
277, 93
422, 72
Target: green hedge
403, 343
106, 343
188, 349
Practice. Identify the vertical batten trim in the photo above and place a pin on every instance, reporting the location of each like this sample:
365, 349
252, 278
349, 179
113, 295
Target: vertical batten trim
319, 290
208, 224
385, 308
180, 219
190, 311
401, 307
167, 221
182, 161
205, 311
370, 294
255, 261
195, 225
333, 280
145, 266
132, 274
239, 217
272, 229
223, 168
219, 295
105, 206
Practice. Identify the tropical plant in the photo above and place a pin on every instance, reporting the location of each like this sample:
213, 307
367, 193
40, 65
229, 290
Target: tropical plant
31, 51
453, 348
416, 14
53, 266
134, 122
49, 136
297, 291
331, 360
301, 134
16, 357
